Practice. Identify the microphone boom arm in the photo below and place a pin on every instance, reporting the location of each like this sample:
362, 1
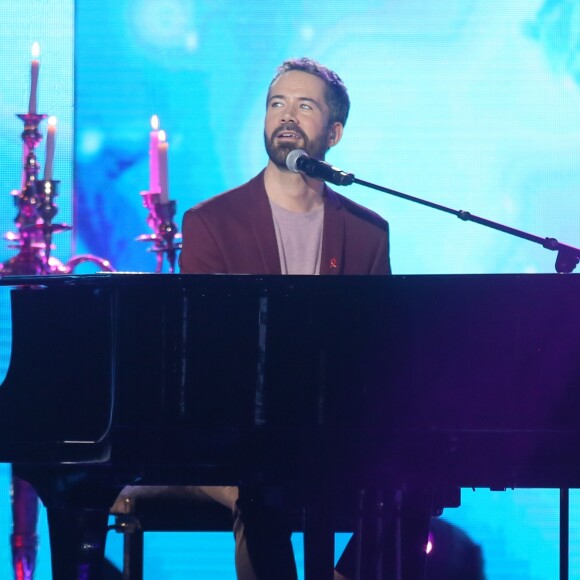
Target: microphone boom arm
566, 260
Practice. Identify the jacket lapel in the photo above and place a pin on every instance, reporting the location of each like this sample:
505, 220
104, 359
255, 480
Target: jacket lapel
331, 260
263, 226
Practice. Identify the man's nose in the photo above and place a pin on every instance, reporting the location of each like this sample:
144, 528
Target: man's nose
289, 115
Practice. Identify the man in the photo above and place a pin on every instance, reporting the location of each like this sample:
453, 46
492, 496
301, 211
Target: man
282, 222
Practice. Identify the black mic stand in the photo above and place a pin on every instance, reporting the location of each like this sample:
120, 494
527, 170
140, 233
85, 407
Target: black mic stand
568, 256
566, 260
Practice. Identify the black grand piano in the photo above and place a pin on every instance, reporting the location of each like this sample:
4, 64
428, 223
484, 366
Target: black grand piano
309, 382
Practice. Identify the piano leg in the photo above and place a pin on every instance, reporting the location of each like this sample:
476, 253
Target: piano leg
77, 542
371, 542
391, 536
263, 532
413, 510
318, 543
564, 533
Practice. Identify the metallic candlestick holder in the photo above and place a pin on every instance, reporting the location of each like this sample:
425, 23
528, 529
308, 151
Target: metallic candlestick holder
34, 222
31, 137
36, 210
165, 237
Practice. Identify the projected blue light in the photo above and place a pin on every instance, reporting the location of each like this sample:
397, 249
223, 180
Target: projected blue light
472, 107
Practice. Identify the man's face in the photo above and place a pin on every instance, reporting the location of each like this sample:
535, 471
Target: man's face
297, 117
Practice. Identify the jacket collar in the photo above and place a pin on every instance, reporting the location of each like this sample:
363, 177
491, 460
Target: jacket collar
331, 260
260, 214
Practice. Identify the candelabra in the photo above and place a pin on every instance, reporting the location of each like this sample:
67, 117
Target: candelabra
36, 210
34, 221
165, 237
33, 240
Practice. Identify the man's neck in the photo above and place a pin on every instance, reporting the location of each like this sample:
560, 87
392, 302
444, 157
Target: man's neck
292, 191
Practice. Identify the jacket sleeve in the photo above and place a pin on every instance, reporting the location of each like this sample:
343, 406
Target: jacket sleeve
200, 253
382, 263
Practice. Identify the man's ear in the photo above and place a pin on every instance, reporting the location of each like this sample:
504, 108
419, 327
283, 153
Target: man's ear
335, 134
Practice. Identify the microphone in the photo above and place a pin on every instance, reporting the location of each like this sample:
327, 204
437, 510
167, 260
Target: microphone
298, 161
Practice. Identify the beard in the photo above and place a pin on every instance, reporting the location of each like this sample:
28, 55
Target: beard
277, 152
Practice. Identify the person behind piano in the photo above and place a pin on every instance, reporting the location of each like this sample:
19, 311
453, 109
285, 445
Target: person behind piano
282, 222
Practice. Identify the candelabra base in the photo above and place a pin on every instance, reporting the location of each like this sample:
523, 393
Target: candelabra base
24, 540
23, 264
165, 237
24, 553
18, 266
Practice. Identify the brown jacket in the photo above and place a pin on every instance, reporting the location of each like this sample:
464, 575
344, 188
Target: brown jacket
233, 233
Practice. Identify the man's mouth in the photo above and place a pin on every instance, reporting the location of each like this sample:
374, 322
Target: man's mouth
288, 135
288, 132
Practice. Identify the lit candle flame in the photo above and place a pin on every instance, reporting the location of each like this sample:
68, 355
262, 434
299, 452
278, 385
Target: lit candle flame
52, 121
162, 136
35, 49
155, 122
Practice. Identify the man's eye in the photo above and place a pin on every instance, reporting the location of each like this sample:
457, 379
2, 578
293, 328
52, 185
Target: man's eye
275, 104
305, 106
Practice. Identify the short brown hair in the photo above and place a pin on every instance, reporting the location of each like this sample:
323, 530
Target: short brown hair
336, 95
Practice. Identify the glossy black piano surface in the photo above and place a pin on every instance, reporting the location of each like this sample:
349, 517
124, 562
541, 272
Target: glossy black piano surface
470, 380
309, 383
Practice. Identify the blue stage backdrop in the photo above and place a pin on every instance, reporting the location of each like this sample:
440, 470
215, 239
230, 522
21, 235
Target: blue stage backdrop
472, 104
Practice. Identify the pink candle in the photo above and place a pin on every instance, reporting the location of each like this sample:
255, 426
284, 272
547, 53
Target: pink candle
154, 155
49, 148
34, 68
162, 148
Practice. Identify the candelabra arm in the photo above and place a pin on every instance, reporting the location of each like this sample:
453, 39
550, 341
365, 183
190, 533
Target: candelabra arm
75, 261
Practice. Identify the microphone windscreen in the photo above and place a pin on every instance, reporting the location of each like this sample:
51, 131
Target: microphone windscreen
292, 159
